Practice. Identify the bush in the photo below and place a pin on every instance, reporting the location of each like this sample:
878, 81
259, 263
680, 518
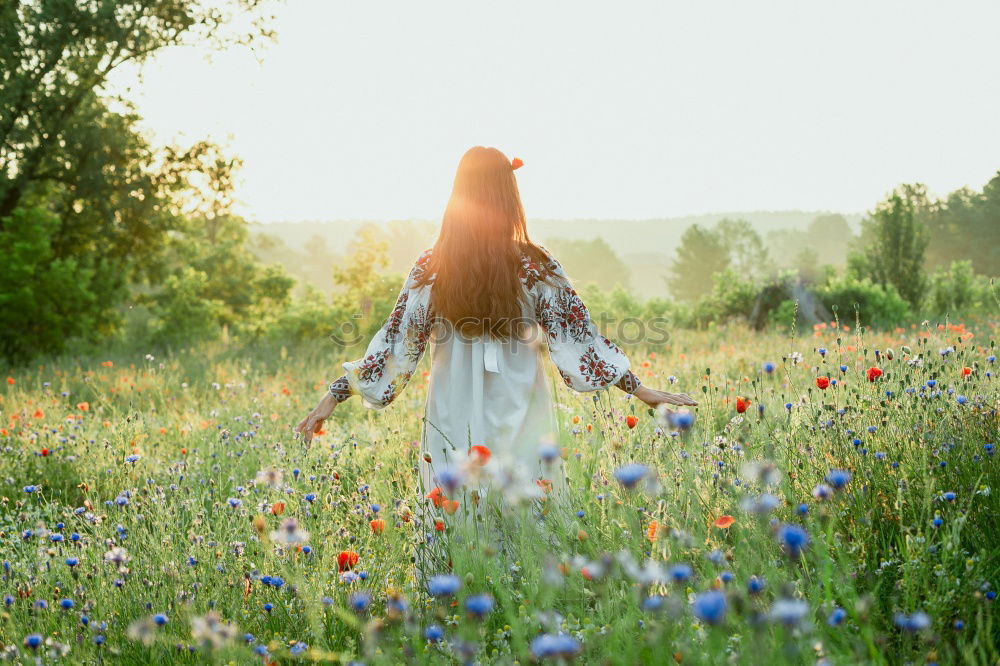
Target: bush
46, 300
875, 305
958, 290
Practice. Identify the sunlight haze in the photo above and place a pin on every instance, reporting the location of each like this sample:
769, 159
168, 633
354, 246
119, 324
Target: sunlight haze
361, 110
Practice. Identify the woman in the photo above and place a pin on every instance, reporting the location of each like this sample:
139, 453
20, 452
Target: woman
486, 295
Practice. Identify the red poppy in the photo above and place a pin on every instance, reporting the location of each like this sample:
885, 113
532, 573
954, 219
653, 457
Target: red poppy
39, 414
45, 452
631, 421
377, 525
723, 522
822, 382
966, 371
437, 497
654, 531
83, 406
742, 404
277, 508
439, 525
10, 380
516, 163
874, 373
346, 560
450, 506
480, 454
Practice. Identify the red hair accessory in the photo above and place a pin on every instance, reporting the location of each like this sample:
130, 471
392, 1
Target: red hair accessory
516, 163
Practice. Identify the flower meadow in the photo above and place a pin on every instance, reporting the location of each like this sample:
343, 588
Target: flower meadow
830, 500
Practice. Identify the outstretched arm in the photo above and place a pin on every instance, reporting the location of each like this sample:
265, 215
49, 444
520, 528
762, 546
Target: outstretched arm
391, 356
586, 359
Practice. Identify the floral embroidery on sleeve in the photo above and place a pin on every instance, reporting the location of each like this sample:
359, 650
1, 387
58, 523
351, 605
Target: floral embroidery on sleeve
586, 360
394, 352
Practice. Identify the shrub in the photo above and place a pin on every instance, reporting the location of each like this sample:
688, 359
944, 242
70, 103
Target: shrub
872, 304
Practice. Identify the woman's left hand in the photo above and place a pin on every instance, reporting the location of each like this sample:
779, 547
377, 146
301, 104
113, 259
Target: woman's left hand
313, 423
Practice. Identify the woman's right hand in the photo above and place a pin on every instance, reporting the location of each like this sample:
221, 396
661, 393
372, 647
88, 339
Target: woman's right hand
655, 398
313, 422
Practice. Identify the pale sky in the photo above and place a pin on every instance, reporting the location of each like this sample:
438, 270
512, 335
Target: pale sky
619, 109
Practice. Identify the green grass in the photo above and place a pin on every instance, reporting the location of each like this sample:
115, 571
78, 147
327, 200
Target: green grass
873, 551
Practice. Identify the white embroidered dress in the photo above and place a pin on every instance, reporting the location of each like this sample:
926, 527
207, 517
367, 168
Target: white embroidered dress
484, 391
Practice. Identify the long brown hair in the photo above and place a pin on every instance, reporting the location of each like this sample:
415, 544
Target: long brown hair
476, 260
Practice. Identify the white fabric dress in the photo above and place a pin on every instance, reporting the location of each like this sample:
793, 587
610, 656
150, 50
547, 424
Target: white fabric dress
484, 391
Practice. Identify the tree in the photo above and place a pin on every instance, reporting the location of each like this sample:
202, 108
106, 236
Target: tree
57, 55
702, 254
893, 241
747, 254
110, 198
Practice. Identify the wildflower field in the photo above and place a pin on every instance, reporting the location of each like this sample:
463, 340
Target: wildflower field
830, 500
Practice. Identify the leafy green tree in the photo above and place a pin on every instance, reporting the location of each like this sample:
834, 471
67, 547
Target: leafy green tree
46, 299
702, 254
747, 255
112, 197
893, 242
966, 226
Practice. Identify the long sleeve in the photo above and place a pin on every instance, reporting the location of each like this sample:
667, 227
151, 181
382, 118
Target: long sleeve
587, 361
394, 352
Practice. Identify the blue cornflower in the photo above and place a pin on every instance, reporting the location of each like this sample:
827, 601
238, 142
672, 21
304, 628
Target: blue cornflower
793, 538
479, 605
56, 538
33, 640
580, 513
961, 400
132, 458
991, 359
360, 601
29, 490
548, 452
755, 585
375, 508
268, 607
434, 633
159, 619
72, 561
959, 625
653, 603
554, 645
768, 367
949, 496
681, 420
710, 607
931, 383
843, 368
630, 475
443, 585
680, 573
66, 604
309, 497
788, 611
822, 351
838, 478
233, 502
837, 616
872, 429
914, 622
727, 576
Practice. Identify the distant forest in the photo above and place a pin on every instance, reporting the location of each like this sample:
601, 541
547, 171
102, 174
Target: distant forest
636, 254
